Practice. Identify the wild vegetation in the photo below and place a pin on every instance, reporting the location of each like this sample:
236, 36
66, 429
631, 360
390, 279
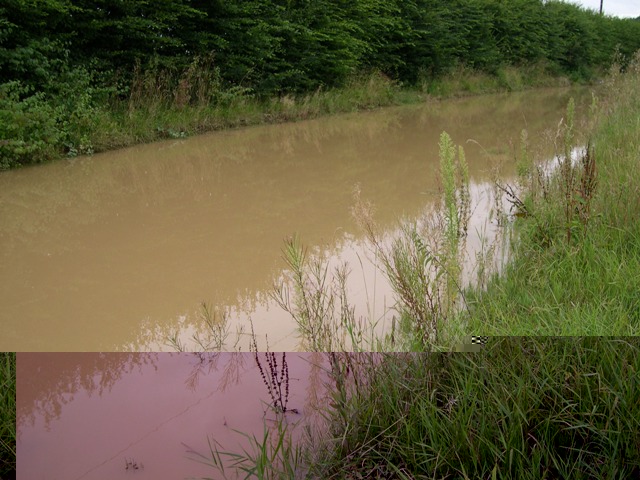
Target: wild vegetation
575, 262
522, 407
79, 76
533, 407
7, 414
574, 254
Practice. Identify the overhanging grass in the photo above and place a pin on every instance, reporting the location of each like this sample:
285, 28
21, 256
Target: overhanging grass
589, 289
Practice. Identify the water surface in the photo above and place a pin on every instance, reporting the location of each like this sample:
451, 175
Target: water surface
109, 416
116, 252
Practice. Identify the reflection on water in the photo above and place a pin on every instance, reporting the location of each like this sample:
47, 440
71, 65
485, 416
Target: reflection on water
97, 416
116, 251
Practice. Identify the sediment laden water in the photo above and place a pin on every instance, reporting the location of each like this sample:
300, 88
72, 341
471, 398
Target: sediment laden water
118, 250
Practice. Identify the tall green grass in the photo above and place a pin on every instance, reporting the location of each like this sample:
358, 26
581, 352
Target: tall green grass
463, 81
7, 413
575, 265
521, 408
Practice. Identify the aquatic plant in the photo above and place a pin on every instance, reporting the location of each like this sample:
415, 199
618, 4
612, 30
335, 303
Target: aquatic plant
272, 456
132, 464
275, 378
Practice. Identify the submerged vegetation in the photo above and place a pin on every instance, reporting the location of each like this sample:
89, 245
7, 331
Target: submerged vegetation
7, 414
80, 76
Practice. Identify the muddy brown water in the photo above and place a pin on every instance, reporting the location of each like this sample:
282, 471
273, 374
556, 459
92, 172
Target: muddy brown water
116, 252
99, 416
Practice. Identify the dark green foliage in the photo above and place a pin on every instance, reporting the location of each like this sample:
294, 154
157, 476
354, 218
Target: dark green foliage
27, 127
7, 414
88, 52
275, 46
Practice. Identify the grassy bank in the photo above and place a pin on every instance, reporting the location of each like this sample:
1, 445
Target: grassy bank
575, 266
527, 408
7, 414
81, 119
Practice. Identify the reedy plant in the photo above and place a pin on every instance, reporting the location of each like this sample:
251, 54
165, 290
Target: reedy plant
273, 456
423, 263
317, 300
457, 210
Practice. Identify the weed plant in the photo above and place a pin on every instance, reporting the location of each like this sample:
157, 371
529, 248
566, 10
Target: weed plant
7, 414
275, 378
272, 456
316, 297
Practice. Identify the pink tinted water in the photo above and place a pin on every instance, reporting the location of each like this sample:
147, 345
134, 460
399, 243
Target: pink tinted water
86, 416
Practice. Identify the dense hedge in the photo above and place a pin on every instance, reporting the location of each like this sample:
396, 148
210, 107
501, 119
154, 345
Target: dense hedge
272, 46
65, 57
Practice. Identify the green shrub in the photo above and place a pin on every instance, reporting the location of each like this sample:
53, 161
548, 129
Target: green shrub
28, 129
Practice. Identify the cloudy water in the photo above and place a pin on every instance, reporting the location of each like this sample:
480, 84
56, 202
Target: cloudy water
117, 251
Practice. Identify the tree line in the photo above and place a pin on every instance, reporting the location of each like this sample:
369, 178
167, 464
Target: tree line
78, 76
273, 47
